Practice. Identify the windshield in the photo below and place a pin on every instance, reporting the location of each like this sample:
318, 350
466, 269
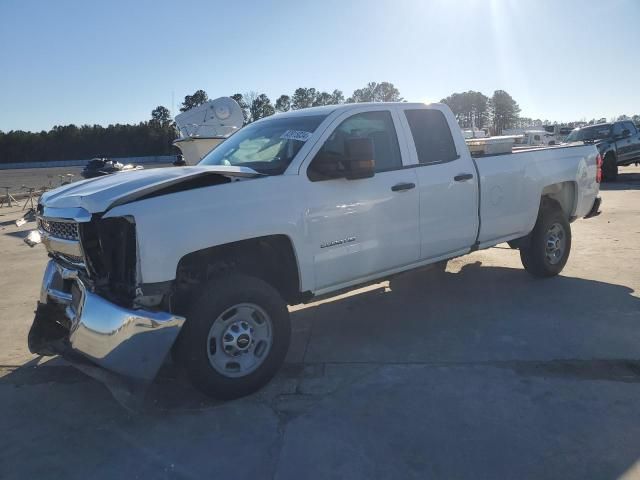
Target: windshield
268, 146
589, 133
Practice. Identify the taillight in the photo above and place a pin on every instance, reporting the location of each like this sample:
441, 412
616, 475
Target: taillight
599, 168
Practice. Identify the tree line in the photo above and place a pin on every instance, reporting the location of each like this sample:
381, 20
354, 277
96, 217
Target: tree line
155, 136
256, 105
474, 109
70, 142
501, 111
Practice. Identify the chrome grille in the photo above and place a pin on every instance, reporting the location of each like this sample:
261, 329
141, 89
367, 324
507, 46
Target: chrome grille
64, 230
73, 259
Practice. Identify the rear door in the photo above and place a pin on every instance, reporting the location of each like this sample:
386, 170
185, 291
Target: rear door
447, 182
622, 144
633, 142
358, 228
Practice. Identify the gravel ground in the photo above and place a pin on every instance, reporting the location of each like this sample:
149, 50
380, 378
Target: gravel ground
483, 373
45, 177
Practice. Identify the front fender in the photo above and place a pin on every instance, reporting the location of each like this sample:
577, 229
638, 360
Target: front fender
171, 226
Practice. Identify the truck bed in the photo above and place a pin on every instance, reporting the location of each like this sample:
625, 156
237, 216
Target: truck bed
523, 149
522, 177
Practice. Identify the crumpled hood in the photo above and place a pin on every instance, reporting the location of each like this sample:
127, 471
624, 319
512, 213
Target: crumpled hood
98, 194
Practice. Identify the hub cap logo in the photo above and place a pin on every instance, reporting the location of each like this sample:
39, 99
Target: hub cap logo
243, 341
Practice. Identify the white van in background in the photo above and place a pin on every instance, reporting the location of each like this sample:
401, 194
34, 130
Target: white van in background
532, 138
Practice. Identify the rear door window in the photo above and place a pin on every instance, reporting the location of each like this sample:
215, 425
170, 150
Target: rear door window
617, 130
431, 136
631, 127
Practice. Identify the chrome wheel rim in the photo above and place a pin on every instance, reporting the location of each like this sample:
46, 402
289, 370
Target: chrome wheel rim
239, 340
555, 243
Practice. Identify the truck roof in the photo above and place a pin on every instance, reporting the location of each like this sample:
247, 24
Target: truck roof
607, 124
327, 109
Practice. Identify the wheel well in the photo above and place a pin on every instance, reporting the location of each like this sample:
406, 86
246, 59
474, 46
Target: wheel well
270, 258
564, 194
559, 195
549, 199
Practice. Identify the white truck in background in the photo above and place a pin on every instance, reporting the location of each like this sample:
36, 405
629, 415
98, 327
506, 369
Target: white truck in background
510, 141
534, 138
203, 260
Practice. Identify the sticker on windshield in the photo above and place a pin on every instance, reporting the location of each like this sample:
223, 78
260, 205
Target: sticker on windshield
299, 135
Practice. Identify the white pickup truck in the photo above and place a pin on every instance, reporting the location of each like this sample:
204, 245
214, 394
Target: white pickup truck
202, 261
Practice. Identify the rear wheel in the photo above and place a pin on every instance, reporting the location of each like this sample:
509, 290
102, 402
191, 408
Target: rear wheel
548, 250
610, 168
236, 336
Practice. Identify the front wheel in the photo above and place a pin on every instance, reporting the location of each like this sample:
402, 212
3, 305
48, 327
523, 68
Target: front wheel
550, 243
236, 336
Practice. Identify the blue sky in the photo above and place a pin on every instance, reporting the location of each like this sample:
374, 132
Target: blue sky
87, 62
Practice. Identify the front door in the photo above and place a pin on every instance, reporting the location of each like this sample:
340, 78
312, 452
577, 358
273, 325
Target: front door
359, 228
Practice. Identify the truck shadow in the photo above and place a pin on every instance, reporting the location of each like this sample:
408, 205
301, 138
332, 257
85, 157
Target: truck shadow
17, 233
479, 314
625, 181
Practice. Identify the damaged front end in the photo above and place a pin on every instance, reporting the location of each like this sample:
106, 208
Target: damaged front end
90, 304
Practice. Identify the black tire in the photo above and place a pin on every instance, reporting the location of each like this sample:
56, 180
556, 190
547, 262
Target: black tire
192, 348
609, 168
535, 256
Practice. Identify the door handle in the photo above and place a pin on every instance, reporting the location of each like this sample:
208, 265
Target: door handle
401, 187
463, 176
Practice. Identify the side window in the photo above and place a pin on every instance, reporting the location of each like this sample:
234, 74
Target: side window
378, 126
431, 135
617, 129
631, 127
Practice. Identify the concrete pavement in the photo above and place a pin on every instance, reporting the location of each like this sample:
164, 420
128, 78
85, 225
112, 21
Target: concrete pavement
483, 372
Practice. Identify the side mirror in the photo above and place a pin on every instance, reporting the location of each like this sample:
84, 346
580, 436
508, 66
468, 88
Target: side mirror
356, 162
359, 159
326, 165
626, 133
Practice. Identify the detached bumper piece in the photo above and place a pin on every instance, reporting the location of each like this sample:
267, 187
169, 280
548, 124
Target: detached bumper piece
71, 321
595, 208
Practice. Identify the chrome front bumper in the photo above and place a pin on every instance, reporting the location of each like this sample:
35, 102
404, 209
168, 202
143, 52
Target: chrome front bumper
133, 343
